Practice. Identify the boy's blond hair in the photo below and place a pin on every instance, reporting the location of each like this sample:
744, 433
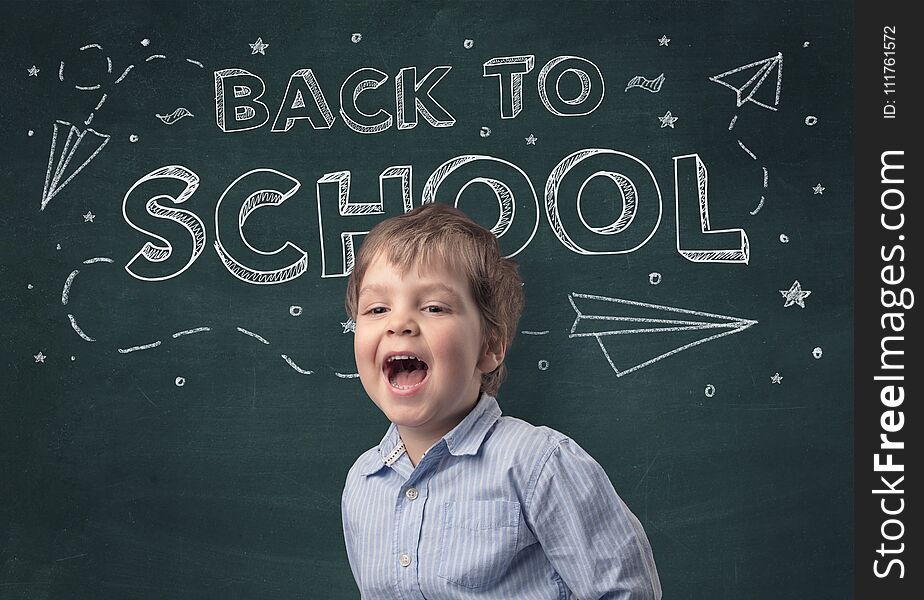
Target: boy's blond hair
438, 232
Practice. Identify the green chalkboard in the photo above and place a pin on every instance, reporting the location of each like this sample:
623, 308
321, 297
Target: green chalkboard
184, 184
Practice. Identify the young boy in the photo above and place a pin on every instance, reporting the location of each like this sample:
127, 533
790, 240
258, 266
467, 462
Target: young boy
457, 501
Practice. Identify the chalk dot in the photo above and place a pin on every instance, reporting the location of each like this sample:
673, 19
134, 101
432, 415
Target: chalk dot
805, 44
543, 365
30, 286
180, 381
133, 138
784, 238
31, 133
709, 391
295, 310
468, 44
145, 42
901, 238
58, 247
817, 352
73, 358
811, 120
356, 38
654, 278
485, 131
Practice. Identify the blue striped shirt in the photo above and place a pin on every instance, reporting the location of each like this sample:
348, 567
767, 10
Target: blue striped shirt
496, 509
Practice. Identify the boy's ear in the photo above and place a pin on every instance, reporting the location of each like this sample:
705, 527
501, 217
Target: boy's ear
495, 348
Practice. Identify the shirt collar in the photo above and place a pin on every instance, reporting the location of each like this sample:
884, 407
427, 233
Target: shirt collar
465, 438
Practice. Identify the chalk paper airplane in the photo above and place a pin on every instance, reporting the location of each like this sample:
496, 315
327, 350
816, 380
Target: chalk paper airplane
77, 146
605, 319
748, 81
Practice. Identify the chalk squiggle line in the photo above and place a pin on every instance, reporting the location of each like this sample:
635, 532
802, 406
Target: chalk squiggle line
90, 261
190, 331
346, 375
87, 87
295, 366
154, 56
67, 286
121, 77
101, 101
78, 329
92, 46
743, 147
61, 72
759, 206
253, 335
535, 332
144, 347
732, 124
765, 176
195, 62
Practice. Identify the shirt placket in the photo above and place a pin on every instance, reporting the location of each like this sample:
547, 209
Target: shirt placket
409, 512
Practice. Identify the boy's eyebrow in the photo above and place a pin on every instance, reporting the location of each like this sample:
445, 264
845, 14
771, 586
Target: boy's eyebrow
436, 286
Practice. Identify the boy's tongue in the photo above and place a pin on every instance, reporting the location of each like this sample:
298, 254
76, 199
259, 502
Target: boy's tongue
408, 372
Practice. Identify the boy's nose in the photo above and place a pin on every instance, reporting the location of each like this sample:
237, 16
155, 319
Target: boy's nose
402, 324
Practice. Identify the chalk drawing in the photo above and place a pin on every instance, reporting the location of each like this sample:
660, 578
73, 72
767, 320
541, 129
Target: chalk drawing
31, 133
292, 364
256, 336
743, 147
90, 261
765, 177
811, 120
175, 116
531, 140
543, 365
668, 120
137, 348
817, 352
180, 381
155, 57
195, 62
145, 42
356, 38
133, 138
190, 331
58, 247
709, 391
732, 123
349, 326
759, 206
39, 358
795, 295
468, 44
88, 218
258, 47
595, 318
818, 189
784, 238
649, 85
485, 132
664, 41
67, 286
78, 330
33, 72
776, 378
346, 375
295, 310
747, 90
587, 76
805, 44
535, 332
66, 153
654, 278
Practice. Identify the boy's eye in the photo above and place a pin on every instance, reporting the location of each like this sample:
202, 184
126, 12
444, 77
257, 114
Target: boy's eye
433, 309
377, 310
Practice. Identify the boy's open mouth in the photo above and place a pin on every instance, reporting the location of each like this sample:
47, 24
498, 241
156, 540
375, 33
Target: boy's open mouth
405, 371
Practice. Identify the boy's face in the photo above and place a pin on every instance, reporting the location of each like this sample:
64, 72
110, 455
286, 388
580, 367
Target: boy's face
427, 316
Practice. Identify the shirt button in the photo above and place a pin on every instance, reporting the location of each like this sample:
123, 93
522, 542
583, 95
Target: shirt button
411, 493
404, 560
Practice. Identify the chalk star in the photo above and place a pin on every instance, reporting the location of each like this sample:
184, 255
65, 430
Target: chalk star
777, 379
819, 189
795, 295
39, 358
349, 326
531, 140
88, 218
664, 41
34, 71
259, 46
667, 120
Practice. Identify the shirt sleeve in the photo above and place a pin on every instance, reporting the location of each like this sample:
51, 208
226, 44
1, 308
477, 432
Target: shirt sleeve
590, 536
348, 533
